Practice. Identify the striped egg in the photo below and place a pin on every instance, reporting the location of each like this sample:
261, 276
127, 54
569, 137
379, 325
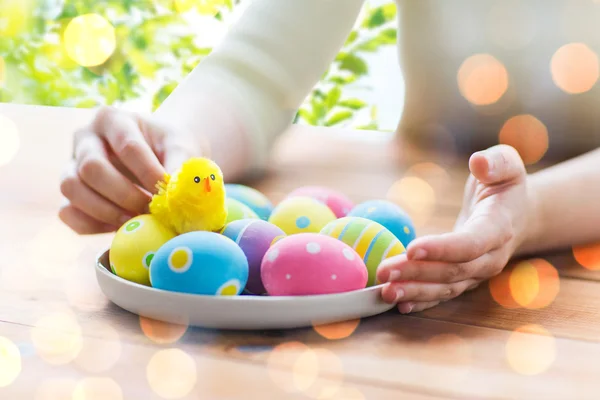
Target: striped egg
258, 202
237, 210
255, 237
371, 240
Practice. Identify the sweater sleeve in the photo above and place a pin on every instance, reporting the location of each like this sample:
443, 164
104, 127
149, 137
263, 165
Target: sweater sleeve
247, 91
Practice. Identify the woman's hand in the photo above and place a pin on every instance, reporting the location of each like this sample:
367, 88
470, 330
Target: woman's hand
117, 161
491, 226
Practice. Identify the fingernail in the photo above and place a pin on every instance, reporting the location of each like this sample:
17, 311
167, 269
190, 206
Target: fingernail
394, 275
420, 254
399, 294
406, 308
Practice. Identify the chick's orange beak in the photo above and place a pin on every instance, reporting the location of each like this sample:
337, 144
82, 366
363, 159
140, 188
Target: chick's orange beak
207, 184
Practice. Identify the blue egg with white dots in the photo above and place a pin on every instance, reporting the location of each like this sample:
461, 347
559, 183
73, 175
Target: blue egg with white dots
388, 214
258, 202
200, 262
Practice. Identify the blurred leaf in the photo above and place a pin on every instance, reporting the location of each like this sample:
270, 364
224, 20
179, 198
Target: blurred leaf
307, 116
87, 103
388, 36
338, 117
351, 38
162, 94
354, 64
355, 104
332, 97
371, 126
380, 15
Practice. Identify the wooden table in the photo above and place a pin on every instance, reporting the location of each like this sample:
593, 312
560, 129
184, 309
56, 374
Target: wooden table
73, 344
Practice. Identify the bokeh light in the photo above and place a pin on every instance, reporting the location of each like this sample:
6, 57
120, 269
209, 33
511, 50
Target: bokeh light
15, 17
162, 332
171, 373
89, 39
9, 140
588, 256
482, 79
338, 330
528, 135
97, 388
415, 195
100, 352
57, 338
10, 362
512, 24
307, 371
56, 389
297, 368
532, 284
530, 350
281, 358
575, 68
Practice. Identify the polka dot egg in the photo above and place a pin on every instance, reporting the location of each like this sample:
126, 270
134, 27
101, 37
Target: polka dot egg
371, 240
134, 246
301, 215
312, 264
200, 262
237, 210
390, 215
336, 201
254, 199
254, 236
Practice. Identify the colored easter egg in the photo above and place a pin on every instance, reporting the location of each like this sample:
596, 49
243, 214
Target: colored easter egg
134, 246
200, 262
301, 215
237, 210
258, 202
254, 236
339, 203
388, 214
371, 240
312, 264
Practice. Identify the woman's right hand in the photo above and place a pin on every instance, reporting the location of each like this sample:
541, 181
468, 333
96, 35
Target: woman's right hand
117, 161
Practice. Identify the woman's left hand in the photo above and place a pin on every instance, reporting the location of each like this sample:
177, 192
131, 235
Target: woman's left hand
491, 226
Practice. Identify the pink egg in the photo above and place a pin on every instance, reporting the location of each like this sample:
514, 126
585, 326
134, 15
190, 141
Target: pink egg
310, 264
339, 203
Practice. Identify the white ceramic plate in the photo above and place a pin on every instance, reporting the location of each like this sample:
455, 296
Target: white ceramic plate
237, 312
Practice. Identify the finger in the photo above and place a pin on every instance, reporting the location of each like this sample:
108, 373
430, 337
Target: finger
95, 170
176, 152
82, 223
407, 308
498, 164
125, 138
482, 232
400, 268
395, 292
89, 202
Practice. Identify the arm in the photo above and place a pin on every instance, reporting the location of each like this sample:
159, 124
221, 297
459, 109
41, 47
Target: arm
564, 205
249, 88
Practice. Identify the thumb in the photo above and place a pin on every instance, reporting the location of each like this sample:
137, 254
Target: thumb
498, 164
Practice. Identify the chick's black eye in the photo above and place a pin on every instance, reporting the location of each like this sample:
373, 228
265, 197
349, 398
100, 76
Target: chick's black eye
212, 176
197, 179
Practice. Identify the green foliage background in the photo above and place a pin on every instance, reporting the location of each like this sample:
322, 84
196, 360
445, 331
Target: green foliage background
155, 43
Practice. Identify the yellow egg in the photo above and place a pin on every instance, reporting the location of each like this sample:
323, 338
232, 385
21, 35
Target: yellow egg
301, 215
237, 210
372, 241
134, 246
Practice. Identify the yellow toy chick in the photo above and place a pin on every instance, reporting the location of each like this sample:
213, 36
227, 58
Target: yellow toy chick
193, 199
